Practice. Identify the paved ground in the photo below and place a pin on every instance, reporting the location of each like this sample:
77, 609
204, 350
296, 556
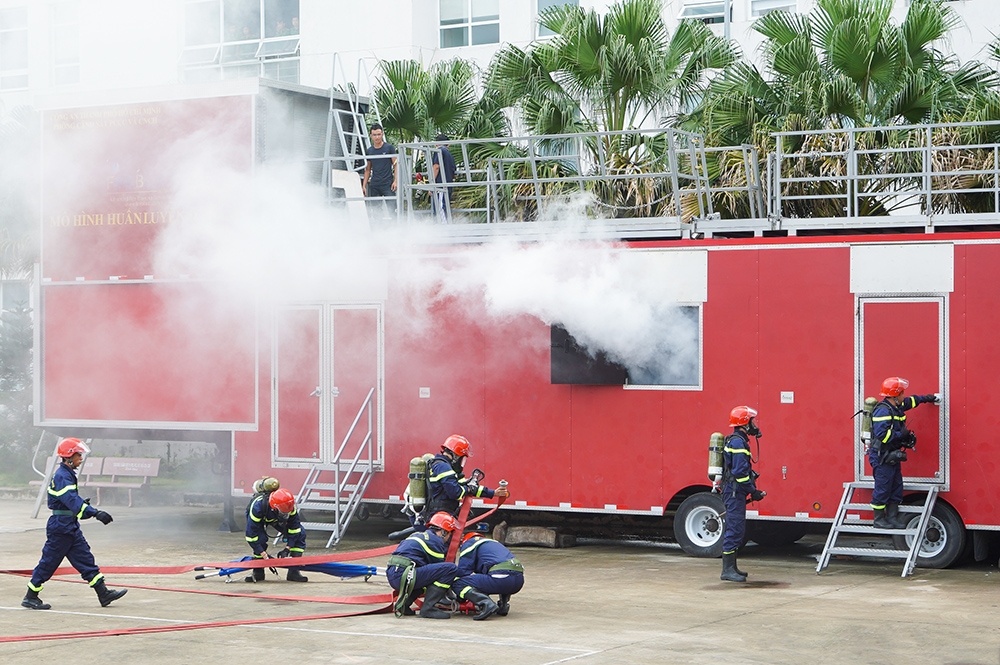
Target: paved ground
596, 604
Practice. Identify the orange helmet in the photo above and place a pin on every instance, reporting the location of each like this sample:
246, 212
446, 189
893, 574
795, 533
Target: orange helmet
894, 386
69, 447
458, 445
741, 415
470, 535
282, 501
444, 521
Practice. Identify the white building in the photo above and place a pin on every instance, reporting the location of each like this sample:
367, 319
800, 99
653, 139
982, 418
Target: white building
69, 45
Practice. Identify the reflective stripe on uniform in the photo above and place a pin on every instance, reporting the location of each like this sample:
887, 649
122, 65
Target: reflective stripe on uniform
742, 451
449, 472
419, 539
62, 491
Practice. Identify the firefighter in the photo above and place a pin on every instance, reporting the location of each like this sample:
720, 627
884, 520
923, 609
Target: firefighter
418, 566
275, 509
890, 439
739, 482
447, 484
63, 536
487, 567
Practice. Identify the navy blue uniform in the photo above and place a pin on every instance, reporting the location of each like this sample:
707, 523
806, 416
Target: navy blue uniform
889, 433
737, 483
63, 536
425, 550
448, 487
488, 567
260, 515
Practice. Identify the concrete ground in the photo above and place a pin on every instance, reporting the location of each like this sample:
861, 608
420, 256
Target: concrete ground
600, 603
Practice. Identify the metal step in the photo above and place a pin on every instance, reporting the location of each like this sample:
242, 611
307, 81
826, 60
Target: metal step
330, 487
852, 527
319, 526
326, 506
870, 551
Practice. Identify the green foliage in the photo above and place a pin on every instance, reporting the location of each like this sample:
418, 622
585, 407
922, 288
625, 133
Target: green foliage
18, 435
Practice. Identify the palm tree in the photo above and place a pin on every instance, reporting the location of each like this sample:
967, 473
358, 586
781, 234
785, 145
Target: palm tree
18, 226
846, 64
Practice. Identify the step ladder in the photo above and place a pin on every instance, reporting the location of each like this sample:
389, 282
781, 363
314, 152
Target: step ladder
337, 488
849, 521
349, 124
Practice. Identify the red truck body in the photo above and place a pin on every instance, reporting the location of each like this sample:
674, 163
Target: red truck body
801, 329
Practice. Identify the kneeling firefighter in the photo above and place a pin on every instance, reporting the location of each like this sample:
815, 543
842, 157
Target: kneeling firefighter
738, 484
418, 566
277, 509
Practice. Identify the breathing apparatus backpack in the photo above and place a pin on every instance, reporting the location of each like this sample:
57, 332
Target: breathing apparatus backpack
262, 488
417, 491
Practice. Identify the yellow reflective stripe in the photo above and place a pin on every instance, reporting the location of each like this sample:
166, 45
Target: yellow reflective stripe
913, 401
62, 491
34, 588
874, 507
97, 578
442, 585
743, 479
880, 418
251, 540
419, 539
461, 594
291, 531
258, 556
79, 515
256, 501
477, 542
295, 549
449, 472
888, 434
742, 451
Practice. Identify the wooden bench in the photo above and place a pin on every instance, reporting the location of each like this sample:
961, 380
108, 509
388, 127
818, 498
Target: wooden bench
129, 473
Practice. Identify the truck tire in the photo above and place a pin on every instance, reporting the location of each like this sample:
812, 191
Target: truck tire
699, 525
944, 540
775, 534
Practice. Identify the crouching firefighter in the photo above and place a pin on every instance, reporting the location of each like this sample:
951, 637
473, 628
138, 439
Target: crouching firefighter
487, 567
738, 484
890, 439
418, 567
275, 509
63, 536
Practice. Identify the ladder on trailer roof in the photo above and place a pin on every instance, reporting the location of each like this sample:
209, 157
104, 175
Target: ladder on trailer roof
849, 521
338, 487
350, 124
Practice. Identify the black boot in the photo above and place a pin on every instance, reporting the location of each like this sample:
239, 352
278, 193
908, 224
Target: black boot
294, 574
882, 520
33, 602
407, 604
503, 605
892, 514
256, 576
484, 604
736, 567
106, 595
729, 573
432, 597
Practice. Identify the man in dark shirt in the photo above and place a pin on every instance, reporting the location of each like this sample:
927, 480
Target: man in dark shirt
441, 211
380, 174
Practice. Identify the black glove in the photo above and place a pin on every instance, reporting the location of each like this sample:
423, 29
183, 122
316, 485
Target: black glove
908, 439
103, 517
283, 553
87, 501
757, 495
928, 398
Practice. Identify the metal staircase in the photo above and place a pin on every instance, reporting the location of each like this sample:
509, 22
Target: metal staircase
349, 124
338, 487
849, 521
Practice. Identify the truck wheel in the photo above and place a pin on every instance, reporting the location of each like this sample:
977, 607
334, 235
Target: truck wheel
362, 513
698, 525
944, 539
775, 534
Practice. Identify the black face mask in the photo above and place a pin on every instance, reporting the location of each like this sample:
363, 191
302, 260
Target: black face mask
753, 430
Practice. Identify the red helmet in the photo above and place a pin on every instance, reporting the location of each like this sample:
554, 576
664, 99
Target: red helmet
444, 521
458, 445
741, 415
69, 447
894, 386
282, 501
471, 535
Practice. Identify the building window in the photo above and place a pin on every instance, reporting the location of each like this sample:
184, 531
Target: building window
15, 296
13, 48
545, 4
66, 43
469, 22
762, 7
226, 39
706, 12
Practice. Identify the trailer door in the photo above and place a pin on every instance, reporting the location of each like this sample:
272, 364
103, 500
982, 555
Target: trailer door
326, 361
906, 337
